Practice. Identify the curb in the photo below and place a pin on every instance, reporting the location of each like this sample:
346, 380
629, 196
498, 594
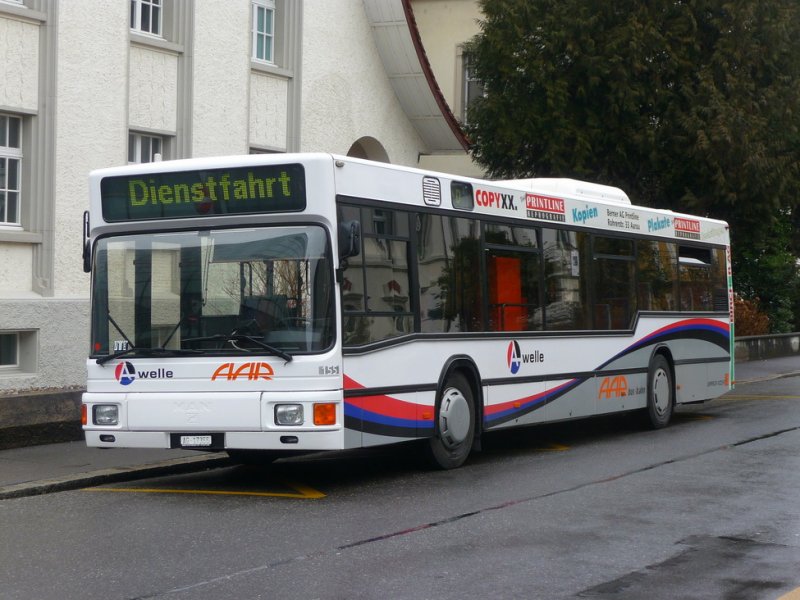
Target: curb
113, 475
766, 378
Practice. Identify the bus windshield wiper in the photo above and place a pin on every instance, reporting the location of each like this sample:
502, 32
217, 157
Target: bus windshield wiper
160, 351
148, 352
237, 337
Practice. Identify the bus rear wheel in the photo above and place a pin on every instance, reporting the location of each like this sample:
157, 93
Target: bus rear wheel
454, 427
660, 394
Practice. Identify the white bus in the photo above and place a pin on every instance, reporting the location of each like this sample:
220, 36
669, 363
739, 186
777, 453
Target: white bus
269, 305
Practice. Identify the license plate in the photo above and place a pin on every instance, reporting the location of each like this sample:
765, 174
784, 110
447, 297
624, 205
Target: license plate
195, 440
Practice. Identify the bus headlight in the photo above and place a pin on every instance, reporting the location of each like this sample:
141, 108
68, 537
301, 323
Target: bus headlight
105, 414
289, 414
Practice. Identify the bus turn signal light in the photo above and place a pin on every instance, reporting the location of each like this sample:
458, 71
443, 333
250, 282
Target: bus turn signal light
325, 414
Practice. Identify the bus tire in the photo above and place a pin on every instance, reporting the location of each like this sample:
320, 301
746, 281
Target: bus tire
660, 394
454, 426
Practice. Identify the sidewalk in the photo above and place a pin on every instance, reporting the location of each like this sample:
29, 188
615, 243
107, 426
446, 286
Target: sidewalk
34, 470
760, 370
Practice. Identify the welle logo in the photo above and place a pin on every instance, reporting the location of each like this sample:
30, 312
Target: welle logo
125, 373
515, 358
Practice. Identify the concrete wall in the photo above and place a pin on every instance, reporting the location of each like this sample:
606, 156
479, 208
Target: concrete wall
269, 110
19, 67
40, 418
220, 78
153, 90
762, 347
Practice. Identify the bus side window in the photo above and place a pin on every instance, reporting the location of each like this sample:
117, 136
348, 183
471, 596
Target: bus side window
656, 265
719, 280
566, 275
448, 263
513, 272
614, 279
696, 278
376, 284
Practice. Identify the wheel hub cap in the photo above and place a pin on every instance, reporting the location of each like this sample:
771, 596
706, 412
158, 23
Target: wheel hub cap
661, 392
454, 417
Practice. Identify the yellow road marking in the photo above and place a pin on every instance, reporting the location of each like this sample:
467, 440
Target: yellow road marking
303, 492
793, 595
553, 447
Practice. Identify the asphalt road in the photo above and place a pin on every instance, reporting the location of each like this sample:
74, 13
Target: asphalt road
706, 508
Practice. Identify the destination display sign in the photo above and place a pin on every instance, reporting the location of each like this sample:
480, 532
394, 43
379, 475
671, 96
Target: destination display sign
203, 193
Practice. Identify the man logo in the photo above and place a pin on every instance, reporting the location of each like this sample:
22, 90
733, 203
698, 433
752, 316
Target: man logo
514, 357
125, 373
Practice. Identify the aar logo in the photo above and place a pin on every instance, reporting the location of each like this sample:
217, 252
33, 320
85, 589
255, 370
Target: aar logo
613, 387
125, 373
251, 371
514, 357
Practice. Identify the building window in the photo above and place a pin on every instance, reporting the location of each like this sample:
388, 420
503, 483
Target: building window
9, 350
10, 169
471, 87
146, 16
18, 352
264, 30
144, 148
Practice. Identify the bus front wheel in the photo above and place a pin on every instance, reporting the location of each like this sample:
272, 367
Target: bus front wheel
454, 427
660, 394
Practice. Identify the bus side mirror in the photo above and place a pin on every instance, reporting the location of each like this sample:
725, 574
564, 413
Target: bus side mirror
87, 250
349, 239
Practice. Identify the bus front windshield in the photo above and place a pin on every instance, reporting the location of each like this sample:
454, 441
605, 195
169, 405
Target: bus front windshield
234, 291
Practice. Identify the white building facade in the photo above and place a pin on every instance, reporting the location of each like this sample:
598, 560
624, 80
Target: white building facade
86, 84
